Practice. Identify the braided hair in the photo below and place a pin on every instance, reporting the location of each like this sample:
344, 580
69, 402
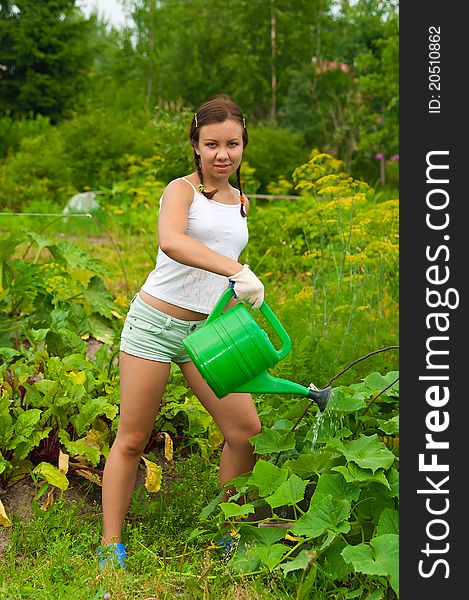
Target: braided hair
217, 110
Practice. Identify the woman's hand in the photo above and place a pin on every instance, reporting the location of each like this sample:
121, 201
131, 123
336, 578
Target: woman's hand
246, 286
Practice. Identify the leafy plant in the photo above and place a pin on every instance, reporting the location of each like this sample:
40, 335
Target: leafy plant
51, 406
323, 496
52, 291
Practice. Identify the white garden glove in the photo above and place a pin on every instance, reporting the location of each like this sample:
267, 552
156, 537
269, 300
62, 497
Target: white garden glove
246, 286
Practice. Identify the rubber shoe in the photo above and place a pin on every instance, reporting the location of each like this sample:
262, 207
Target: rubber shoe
228, 543
113, 555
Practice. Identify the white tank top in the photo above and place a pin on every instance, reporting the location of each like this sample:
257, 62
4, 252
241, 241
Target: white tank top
219, 226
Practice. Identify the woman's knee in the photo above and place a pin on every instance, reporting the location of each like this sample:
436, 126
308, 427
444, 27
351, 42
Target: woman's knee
240, 434
131, 444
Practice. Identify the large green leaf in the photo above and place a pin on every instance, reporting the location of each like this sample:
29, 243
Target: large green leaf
393, 478
23, 448
4, 464
81, 447
337, 568
299, 562
267, 477
343, 400
52, 475
76, 258
367, 451
328, 514
388, 426
271, 441
271, 556
242, 561
379, 557
231, 509
49, 388
289, 492
309, 464
90, 411
373, 499
335, 485
250, 534
354, 474
7, 428
376, 381
41, 241
388, 522
99, 297
25, 423
76, 361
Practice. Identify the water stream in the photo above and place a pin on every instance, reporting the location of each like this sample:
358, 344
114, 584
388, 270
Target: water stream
316, 427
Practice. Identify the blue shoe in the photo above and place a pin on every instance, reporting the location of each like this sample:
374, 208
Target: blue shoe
112, 554
228, 543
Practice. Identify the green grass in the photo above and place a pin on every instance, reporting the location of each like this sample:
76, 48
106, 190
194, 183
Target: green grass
52, 554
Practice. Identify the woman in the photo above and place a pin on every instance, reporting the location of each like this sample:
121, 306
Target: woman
202, 230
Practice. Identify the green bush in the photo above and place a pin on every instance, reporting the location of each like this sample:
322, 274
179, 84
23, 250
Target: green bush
274, 153
13, 131
40, 171
97, 143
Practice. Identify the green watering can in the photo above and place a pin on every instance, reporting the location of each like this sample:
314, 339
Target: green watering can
233, 354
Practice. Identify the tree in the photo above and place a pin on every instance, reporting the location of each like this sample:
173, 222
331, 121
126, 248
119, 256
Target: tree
46, 55
346, 101
246, 48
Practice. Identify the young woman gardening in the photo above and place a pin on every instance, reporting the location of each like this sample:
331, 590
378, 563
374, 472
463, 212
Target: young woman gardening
202, 230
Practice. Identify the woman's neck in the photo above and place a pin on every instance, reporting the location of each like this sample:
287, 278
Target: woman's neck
222, 185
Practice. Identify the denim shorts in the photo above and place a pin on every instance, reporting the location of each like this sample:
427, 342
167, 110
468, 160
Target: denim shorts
151, 334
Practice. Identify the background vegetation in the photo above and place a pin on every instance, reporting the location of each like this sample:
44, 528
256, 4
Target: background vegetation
84, 106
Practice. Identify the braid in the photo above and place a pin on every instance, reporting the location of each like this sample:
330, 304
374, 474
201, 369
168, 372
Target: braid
198, 167
241, 195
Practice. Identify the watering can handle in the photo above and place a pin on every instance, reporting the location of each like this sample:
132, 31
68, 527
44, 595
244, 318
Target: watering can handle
268, 314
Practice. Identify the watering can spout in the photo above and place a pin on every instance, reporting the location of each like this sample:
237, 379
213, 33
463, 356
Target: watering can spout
265, 383
321, 397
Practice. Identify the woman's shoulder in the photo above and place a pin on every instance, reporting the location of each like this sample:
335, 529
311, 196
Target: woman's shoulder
182, 187
178, 192
181, 183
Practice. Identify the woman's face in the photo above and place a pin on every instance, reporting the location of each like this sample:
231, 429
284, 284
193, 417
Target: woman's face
220, 148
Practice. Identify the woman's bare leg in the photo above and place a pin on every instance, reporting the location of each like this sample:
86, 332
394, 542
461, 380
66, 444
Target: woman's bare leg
237, 418
142, 383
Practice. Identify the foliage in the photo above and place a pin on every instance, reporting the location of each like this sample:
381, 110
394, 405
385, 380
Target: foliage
54, 409
378, 111
346, 101
13, 131
93, 149
274, 153
323, 495
96, 144
39, 170
57, 295
46, 53
176, 65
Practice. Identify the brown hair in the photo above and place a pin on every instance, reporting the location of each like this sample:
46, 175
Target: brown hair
217, 110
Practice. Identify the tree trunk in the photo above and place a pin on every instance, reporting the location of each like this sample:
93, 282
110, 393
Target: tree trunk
273, 43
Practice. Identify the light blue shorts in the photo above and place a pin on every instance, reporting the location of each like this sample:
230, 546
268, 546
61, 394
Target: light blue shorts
151, 334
